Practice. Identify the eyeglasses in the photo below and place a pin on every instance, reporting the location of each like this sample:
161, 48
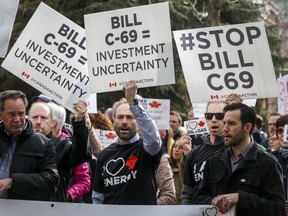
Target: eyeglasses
280, 130
218, 116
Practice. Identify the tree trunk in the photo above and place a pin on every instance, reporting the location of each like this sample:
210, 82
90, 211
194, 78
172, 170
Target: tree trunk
214, 12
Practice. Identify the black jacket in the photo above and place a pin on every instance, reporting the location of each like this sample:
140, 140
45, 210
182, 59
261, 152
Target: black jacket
33, 169
257, 179
195, 163
70, 153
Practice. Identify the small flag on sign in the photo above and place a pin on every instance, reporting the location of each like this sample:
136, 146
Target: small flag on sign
214, 97
26, 75
112, 84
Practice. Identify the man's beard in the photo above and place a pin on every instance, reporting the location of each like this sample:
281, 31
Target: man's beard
125, 136
236, 140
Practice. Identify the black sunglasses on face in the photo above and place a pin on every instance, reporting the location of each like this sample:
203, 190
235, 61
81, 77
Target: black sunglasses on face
218, 116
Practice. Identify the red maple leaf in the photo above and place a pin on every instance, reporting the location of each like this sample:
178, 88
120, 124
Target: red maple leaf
130, 163
223, 211
155, 104
110, 135
201, 123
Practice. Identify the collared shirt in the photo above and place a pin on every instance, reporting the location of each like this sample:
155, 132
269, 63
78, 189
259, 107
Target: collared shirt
235, 162
151, 139
134, 139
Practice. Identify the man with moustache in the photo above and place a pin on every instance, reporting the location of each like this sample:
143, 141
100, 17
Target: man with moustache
126, 170
242, 174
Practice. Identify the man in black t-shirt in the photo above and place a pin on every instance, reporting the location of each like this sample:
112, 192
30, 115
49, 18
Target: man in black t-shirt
125, 172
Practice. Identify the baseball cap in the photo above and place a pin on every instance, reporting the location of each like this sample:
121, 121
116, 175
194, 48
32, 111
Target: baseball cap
42, 97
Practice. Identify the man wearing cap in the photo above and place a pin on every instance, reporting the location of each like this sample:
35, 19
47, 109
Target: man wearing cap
41, 98
67, 128
69, 153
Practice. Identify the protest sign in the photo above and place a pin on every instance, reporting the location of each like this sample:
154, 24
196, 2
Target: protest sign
34, 208
106, 137
8, 10
219, 60
50, 55
159, 110
197, 126
199, 109
92, 101
212, 211
283, 94
130, 44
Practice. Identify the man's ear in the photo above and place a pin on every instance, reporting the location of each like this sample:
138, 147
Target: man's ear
53, 123
247, 127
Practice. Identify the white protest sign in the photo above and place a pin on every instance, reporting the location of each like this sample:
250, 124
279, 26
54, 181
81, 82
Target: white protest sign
34, 208
283, 94
159, 110
92, 100
50, 55
130, 44
197, 126
199, 109
106, 137
217, 61
8, 10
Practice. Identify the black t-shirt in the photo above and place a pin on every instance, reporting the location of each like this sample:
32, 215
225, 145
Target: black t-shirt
125, 174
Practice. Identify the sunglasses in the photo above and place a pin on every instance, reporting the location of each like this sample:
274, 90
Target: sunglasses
218, 116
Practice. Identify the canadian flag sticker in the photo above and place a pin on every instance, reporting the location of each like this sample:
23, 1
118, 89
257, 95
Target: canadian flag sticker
214, 97
25, 74
114, 84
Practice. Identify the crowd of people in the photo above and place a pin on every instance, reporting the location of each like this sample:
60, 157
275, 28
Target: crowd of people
43, 157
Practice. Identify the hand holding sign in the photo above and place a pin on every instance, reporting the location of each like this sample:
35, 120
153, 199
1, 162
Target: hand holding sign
130, 90
80, 109
233, 98
225, 202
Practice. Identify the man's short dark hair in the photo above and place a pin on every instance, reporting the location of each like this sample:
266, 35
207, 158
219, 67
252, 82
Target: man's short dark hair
248, 114
12, 94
